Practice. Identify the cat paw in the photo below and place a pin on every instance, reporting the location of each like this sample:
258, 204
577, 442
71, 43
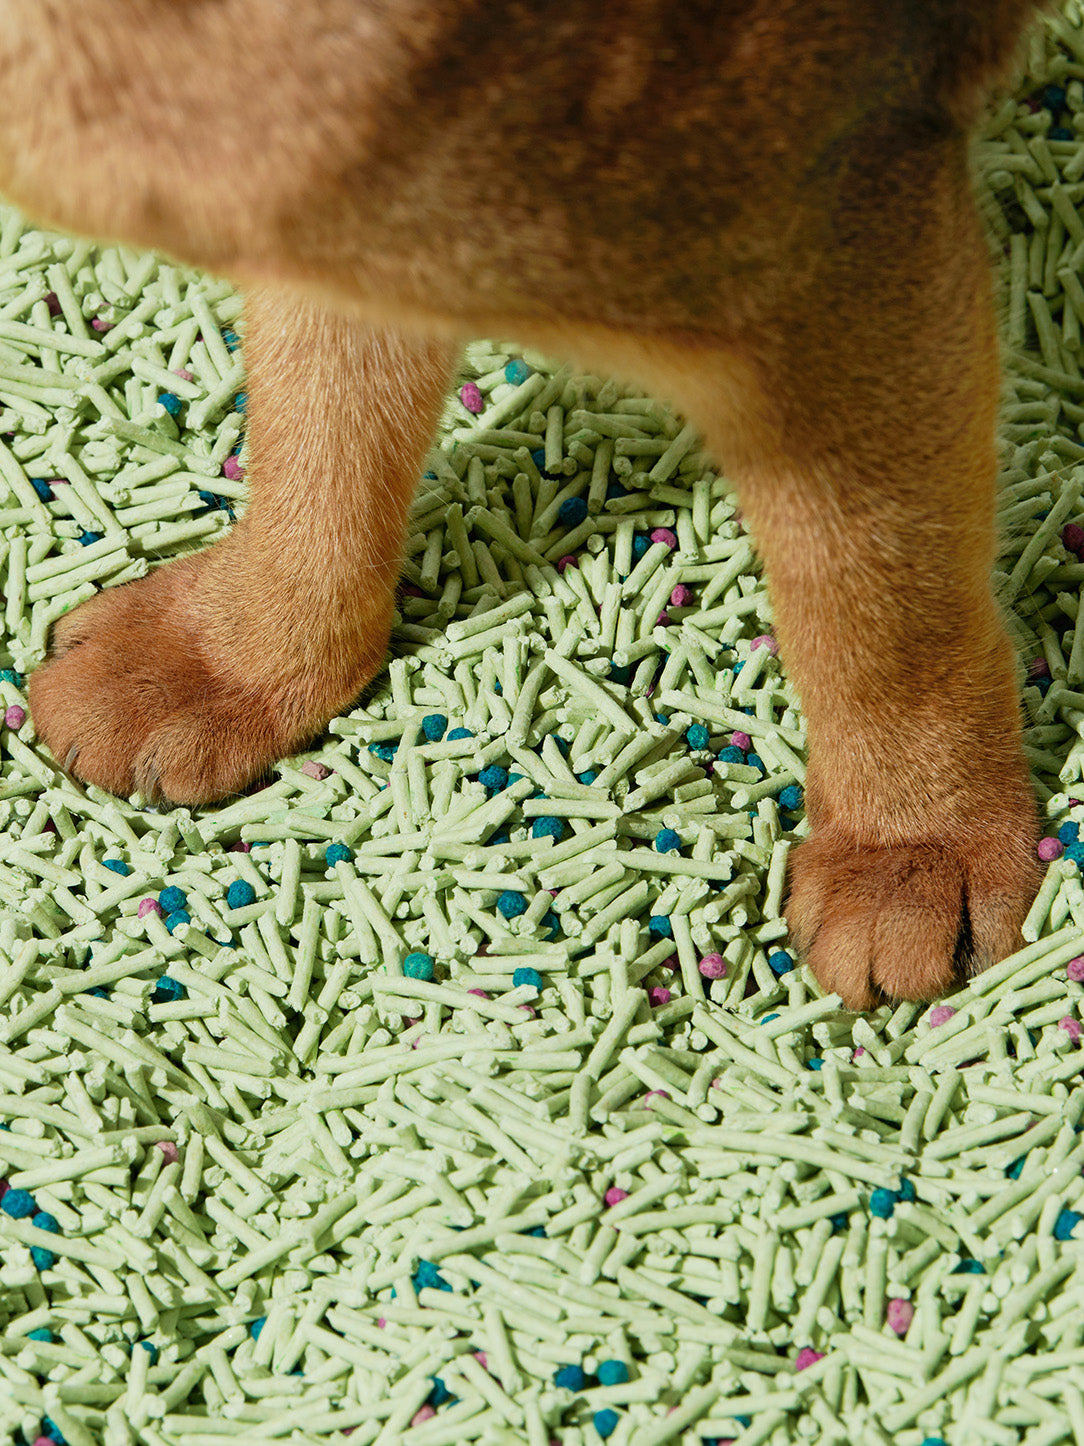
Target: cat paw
136, 698
910, 921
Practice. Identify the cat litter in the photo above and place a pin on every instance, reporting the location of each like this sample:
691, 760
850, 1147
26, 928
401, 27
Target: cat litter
460, 1084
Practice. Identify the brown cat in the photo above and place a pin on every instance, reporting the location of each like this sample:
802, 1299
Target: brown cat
759, 208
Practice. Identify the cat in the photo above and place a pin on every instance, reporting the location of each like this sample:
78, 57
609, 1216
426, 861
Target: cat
759, 209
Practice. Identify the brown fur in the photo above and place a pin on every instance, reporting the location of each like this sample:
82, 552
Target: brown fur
759, 208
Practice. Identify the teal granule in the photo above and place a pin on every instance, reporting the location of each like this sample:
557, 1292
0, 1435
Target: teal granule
418, 966
240, 894
511, 903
